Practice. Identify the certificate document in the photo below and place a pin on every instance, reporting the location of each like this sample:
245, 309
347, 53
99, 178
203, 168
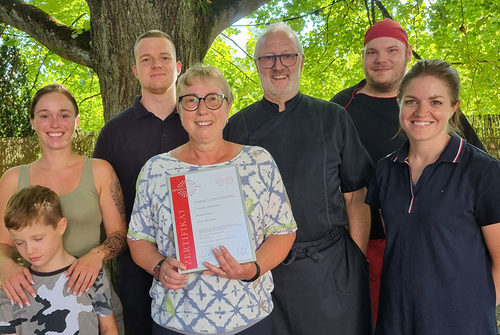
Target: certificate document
208, 211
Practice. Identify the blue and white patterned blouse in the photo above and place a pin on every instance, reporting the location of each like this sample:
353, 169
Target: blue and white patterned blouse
208, 304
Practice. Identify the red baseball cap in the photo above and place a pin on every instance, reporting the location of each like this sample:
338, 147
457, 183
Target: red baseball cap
386, 28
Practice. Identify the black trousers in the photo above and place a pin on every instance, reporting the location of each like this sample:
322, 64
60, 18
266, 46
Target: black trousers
133, 284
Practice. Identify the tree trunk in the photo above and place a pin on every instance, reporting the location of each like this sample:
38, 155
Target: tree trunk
115, 25
107, 47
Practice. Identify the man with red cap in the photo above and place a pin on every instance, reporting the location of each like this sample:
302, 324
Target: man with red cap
373, 107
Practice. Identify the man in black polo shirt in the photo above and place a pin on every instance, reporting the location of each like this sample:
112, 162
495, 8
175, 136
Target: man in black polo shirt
322, 287
374, 110
147, 128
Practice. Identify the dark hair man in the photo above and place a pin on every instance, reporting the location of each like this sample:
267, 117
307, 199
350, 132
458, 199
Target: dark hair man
147, 128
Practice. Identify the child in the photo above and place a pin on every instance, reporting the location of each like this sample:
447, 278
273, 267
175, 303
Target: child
34, 219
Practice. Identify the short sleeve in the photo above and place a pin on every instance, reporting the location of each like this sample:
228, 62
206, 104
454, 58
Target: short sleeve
487, 207
356, 166
278, 218
6, 315
372, 196
103, 144
101, 300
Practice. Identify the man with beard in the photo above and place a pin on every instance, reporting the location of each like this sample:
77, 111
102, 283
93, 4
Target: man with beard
322, 286
147, 128
373, 108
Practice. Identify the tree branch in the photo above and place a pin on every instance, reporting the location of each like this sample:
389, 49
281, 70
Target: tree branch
88, 98
235, 66
226, 12
38, 72
57, 37
384, 11
386, 15
237, 45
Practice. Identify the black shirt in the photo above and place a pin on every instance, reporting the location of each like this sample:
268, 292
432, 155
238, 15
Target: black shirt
132, 137
318, 152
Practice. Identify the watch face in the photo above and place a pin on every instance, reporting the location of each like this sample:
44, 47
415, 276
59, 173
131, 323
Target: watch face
156, 270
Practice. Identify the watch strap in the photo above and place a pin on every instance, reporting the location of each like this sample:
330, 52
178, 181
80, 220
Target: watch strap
257, 274
156, 270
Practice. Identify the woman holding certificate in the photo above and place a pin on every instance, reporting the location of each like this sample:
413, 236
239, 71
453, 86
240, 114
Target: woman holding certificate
223, 295
439, 199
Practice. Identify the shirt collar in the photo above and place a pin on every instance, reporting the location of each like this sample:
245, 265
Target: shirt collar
290, 104
359, 86
141, 112
452, 153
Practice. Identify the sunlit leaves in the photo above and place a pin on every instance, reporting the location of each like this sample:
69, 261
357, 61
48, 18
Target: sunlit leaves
332, 34
45, 67
15, 101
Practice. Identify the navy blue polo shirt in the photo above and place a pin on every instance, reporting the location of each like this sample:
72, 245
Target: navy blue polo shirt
132, 137
318, 153
436, 277
377, 122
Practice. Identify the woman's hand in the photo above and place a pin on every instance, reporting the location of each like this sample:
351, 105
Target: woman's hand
169, 275
84, 271
16, 281
229, 267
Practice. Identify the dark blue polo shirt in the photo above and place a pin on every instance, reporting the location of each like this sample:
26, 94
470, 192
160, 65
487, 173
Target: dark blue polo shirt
436, 277
377, 122
132, 137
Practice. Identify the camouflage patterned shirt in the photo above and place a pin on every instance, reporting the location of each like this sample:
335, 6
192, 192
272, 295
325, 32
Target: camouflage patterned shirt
55, 311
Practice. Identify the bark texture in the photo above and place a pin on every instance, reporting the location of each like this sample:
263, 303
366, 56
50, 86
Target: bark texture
107, 47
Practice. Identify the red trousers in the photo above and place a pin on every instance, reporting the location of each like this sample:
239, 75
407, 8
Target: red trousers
375, 256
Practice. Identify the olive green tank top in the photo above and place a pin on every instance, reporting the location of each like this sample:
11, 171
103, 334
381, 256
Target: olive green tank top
81, 208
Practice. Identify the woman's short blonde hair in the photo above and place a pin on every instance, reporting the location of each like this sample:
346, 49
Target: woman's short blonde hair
203, 72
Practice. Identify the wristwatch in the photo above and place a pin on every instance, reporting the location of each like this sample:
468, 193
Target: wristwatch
156, 270
257, 274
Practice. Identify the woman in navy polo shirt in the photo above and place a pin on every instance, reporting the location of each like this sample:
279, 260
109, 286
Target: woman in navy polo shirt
440, 201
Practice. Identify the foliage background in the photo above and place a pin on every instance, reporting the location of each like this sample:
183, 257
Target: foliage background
44, 67
464, 33
15, 99
332, 34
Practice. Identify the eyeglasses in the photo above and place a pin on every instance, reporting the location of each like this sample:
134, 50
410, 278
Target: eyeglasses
191, 102
267, 62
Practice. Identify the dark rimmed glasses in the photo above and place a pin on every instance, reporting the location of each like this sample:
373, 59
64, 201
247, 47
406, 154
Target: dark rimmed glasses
287, 60
191, 102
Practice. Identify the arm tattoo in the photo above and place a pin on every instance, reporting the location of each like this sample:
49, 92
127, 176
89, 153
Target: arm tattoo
117, 196
114, 244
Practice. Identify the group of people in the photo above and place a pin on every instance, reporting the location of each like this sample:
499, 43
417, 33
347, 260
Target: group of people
308, 180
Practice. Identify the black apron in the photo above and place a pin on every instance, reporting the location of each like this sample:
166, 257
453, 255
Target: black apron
330, 268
